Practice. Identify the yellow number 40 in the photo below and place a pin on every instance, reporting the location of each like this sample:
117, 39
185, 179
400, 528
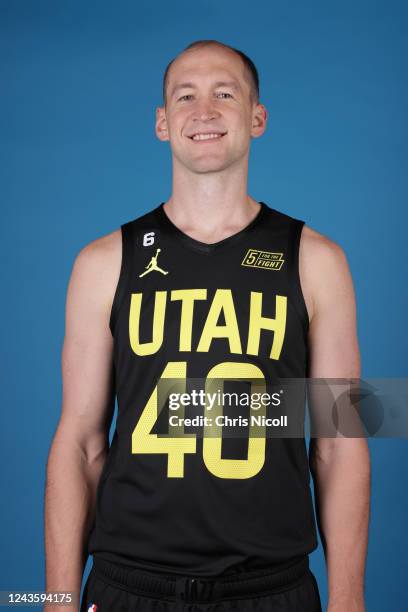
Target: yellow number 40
143, 441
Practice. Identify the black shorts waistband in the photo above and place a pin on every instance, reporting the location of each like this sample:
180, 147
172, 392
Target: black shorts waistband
199, 589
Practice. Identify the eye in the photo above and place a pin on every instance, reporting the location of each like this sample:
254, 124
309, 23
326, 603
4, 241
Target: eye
221, 93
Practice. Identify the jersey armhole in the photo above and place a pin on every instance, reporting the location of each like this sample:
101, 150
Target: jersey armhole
122, 283
297, 287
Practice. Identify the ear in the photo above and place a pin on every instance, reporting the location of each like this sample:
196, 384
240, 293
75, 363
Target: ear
259, 119
161, 124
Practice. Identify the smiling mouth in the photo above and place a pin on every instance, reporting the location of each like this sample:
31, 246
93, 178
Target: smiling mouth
207, 137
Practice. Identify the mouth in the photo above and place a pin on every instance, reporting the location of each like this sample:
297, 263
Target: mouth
208, 137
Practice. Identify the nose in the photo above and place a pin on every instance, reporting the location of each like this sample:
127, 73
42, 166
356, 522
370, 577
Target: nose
204, 111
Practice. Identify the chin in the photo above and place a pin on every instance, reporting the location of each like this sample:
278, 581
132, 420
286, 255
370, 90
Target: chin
203, 164
207, 167
208, 164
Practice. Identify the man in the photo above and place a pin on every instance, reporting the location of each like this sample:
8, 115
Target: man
210, 285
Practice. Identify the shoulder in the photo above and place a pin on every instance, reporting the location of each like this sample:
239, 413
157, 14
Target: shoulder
321, 248
324, 270
101, 254
96, 269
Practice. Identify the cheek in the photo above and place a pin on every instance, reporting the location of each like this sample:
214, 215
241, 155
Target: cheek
173, 131
177, 125
240, 121
174, 122
179, 114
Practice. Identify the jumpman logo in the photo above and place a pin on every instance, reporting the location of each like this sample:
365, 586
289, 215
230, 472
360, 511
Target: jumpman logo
152, 265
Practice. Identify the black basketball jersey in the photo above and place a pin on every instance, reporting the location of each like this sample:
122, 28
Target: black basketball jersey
198, 504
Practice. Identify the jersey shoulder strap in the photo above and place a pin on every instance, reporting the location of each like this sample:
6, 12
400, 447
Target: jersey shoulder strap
127, 255
295, 235
135, 232
286, 232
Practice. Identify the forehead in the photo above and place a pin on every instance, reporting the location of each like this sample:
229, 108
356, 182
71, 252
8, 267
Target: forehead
210, 63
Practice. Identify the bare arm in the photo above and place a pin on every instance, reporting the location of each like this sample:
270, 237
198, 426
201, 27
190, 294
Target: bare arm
340, 466
80, 445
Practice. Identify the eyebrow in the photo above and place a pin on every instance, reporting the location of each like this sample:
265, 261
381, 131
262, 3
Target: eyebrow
233, 84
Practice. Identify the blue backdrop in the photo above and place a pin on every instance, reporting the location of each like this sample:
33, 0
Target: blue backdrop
80, 84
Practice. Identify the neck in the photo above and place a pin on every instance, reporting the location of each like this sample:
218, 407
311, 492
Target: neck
210, 205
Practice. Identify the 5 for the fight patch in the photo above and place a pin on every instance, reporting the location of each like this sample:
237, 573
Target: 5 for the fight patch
263, 259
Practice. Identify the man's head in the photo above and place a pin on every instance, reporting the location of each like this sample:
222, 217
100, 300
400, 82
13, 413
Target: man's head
250, 70
210, 88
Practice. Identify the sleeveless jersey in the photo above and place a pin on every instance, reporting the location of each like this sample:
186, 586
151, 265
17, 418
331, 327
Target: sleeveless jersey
184, 309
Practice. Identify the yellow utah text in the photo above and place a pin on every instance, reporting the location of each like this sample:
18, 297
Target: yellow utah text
222, 303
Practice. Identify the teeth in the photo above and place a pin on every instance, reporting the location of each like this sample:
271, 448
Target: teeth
205, 136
